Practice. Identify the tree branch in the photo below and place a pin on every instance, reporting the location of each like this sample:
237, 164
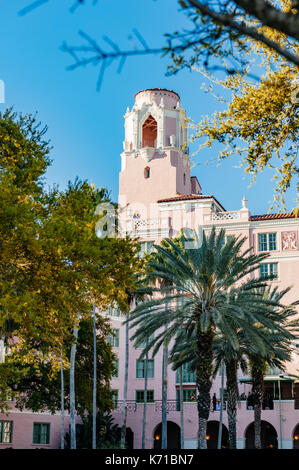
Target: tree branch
227, 20
285, 22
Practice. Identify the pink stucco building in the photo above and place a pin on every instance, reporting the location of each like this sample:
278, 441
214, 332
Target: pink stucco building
158, 197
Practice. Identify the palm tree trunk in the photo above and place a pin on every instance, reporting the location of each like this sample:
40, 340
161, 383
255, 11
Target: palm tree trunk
221, 407
257, 393
62, 403
232, 397
124, 409
164, 397
72, 389
145, 401
204, 371
94, 406
181, 408
2, 349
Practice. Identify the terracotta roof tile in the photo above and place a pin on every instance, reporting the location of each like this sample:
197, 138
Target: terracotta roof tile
190, 197
289, 215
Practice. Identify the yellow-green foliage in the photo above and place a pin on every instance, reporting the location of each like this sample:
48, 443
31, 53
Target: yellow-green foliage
260, 123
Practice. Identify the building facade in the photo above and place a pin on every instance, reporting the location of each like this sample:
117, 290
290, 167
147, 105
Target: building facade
158, 198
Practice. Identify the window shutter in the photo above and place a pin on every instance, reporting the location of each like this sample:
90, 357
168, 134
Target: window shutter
36, 433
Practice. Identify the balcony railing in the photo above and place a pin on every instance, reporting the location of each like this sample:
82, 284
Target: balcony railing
136, 225
171, 405
222, 216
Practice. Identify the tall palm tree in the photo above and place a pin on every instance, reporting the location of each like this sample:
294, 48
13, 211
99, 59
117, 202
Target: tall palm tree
225, 357
145, 400
164, 394
200, 278
72, 387
124, 408
62, 401
278, 351
132, 298
261, 345
181, 395
94, 391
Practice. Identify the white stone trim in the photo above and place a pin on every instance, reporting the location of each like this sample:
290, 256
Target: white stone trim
263, 224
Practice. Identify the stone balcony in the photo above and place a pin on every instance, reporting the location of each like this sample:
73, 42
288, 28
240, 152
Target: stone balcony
231, 216
147, 228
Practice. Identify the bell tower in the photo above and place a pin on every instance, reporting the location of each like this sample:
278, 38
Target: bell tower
155, 163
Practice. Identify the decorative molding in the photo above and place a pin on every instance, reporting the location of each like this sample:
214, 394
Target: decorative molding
256, 224
289, 241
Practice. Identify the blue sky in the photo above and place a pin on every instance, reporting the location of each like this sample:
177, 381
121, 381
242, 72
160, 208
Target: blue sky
86, 127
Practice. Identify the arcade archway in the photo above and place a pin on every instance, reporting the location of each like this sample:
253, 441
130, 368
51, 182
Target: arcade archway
296, 438
212, 435
268, 436
173, 436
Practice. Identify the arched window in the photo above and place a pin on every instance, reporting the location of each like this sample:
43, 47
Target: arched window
147, 172
184, 178
149, 132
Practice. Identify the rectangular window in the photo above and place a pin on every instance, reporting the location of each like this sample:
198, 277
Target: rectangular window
189, 396
9, 396
6, 432
269, 269
226, 239
113, 338
116, 363
115, 398
113, 312
41, 433
143, 344
224, 394
220, 371
188, 376
140, 369
140, 396
146, 247
267, 241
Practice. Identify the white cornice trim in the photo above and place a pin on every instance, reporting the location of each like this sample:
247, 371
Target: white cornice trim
233, 225
273, 222
36, 413
282, 258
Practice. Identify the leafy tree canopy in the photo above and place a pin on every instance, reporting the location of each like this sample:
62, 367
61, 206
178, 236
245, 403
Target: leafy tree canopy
34, 381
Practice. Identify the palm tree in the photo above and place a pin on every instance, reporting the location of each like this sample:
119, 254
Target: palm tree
221, 407
164, 394
225, 357
258, 343
278, 351
200, 278
182, 433
145, 400
62, 402
124, 408
132, 297
72, 388
94, 392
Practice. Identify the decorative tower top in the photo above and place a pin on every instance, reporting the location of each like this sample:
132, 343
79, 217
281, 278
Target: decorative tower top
155, 122
155, 163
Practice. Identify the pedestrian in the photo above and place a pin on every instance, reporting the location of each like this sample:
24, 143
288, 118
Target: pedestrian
214, 401
250, 401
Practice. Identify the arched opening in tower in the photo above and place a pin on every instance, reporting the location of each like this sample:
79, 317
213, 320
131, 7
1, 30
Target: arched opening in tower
149, 132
